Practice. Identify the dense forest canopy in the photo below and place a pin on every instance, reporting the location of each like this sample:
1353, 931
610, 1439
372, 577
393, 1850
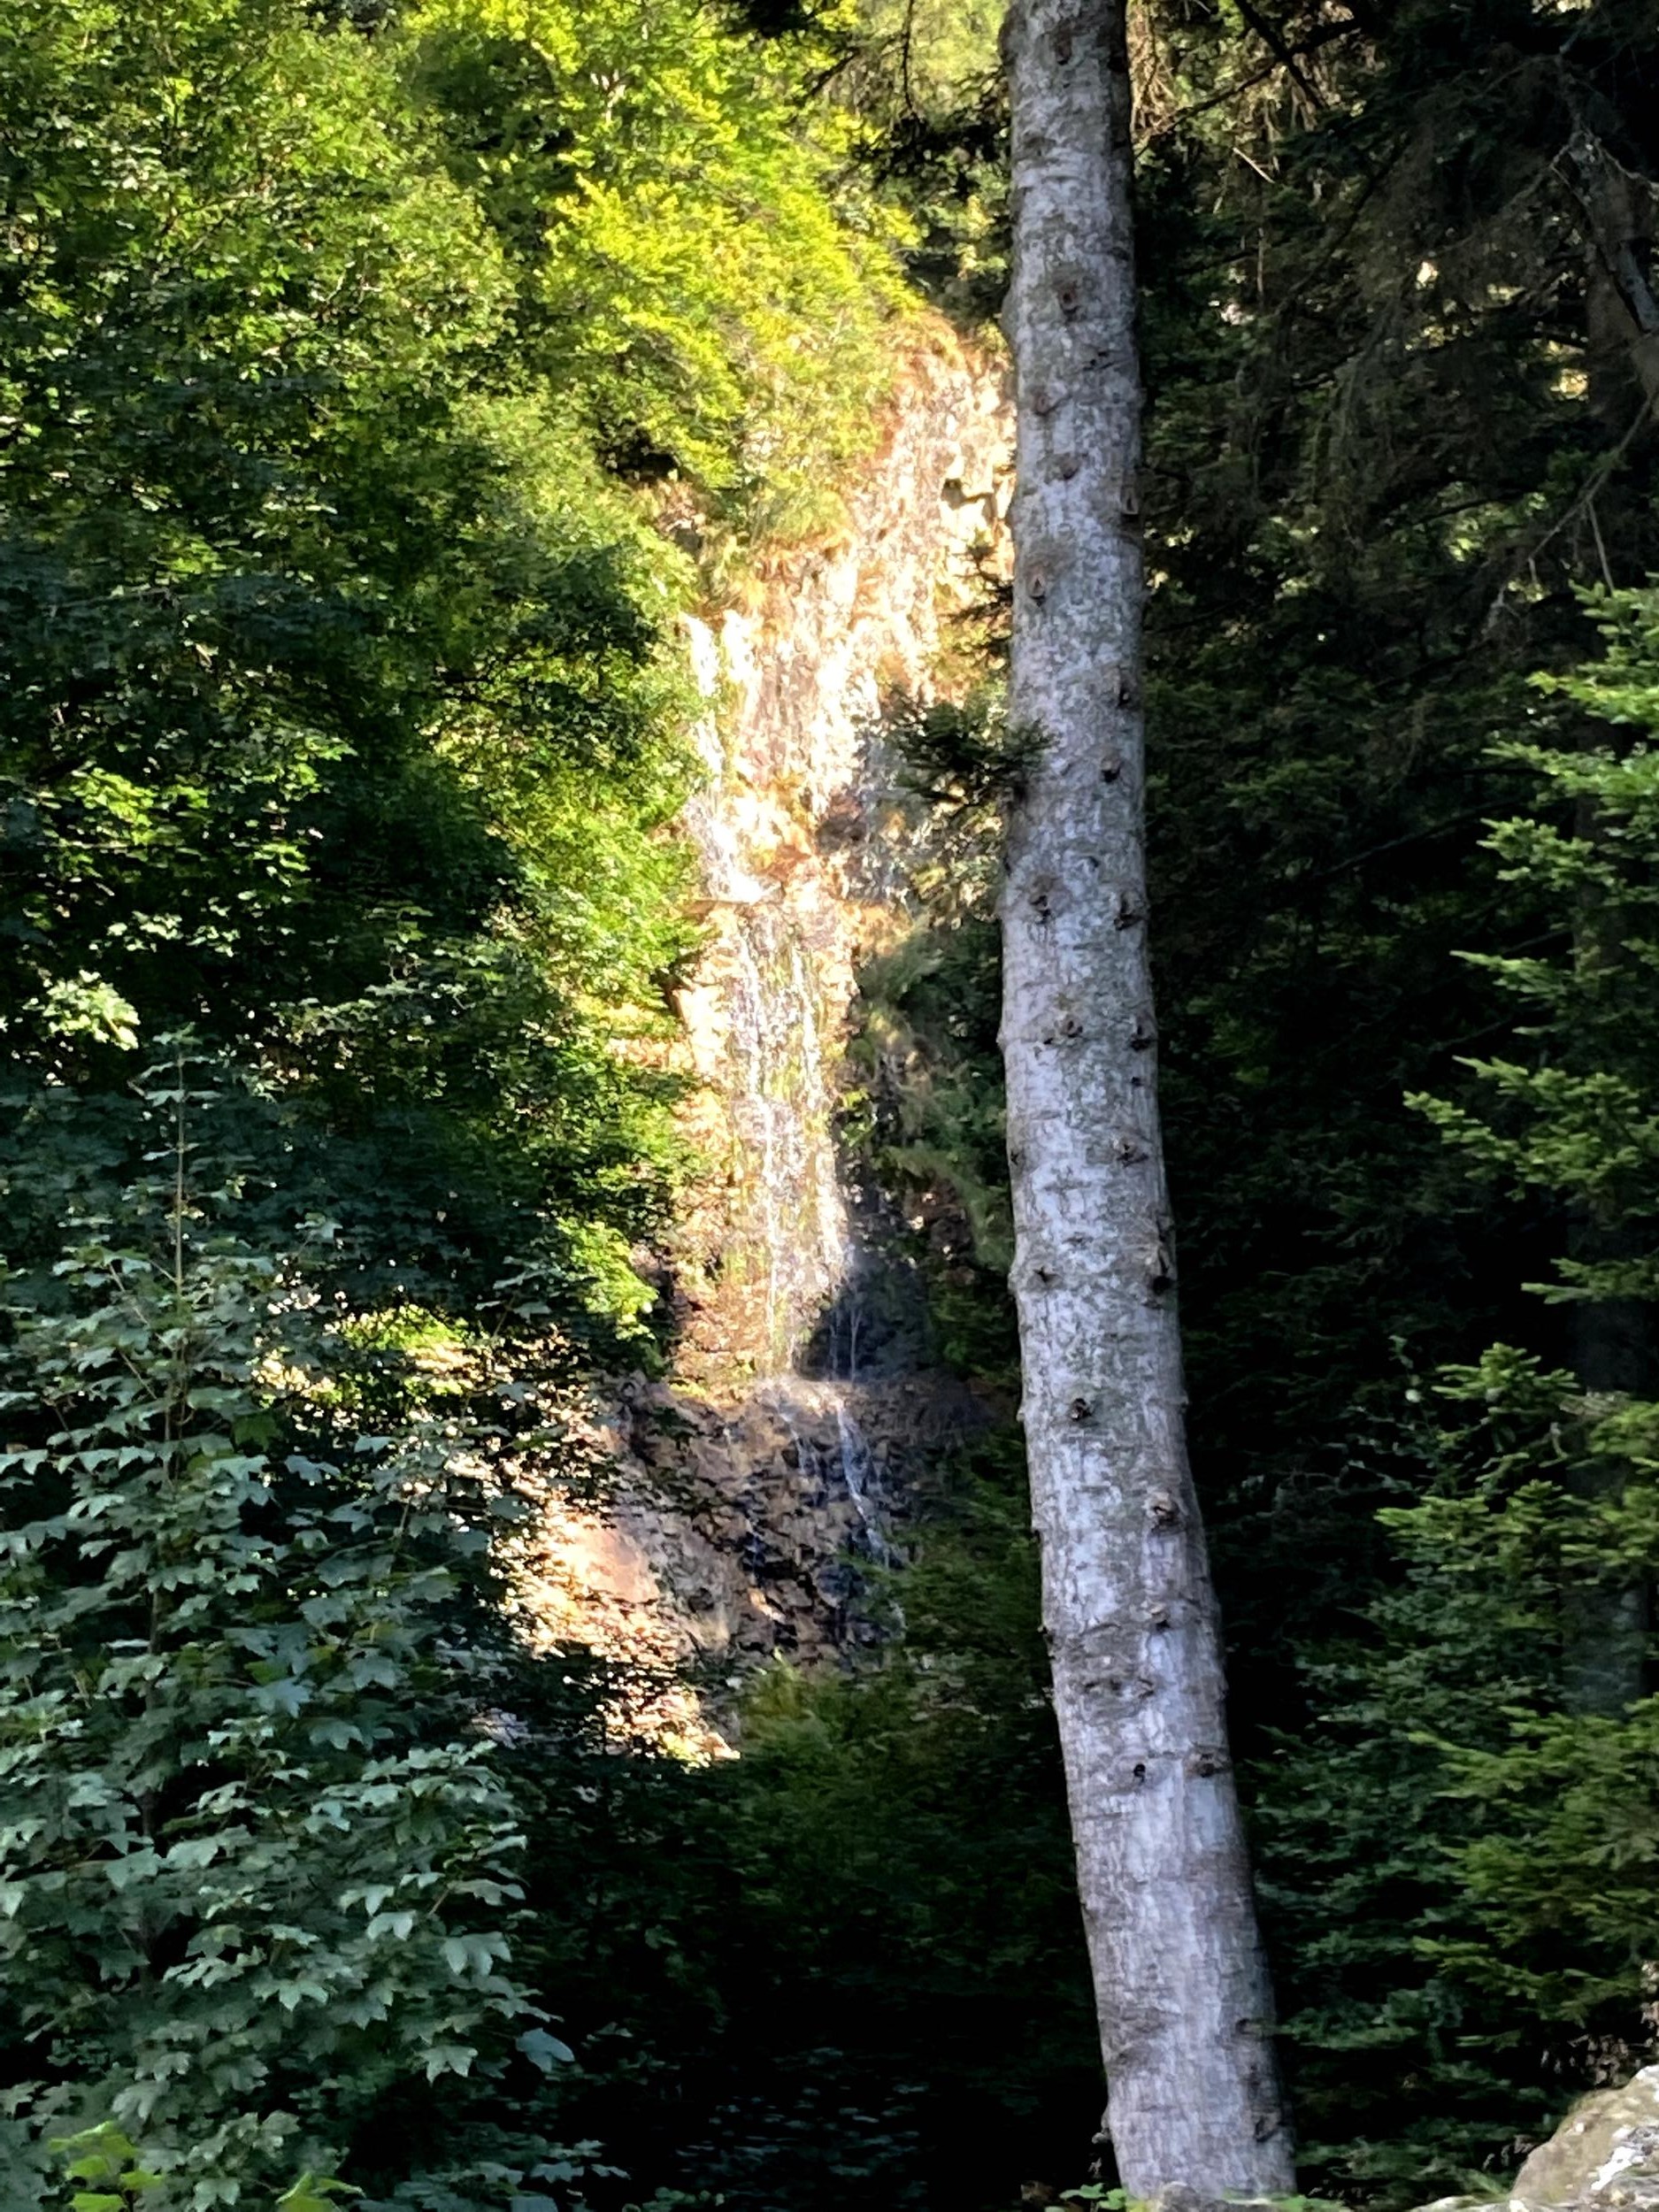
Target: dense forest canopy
381, 382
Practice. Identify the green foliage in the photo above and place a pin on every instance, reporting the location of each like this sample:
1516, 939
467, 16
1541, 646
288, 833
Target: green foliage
1369, 448
369, 374
1573, 1117
699, 276
1378, 469
961, 754
1504, 1939
339, 710
920, 82
109, 2167
1464, 1862
117, 2176
255, 1853
313, 2193
340, 703
1411, 2082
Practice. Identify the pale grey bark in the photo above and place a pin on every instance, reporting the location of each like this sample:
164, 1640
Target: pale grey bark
1180, 1980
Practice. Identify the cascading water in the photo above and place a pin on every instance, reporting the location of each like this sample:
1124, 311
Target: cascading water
794, 1241
862, 1478
803, 1246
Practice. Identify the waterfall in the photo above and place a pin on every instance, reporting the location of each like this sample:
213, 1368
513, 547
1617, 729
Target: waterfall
804, 1316
764, 1477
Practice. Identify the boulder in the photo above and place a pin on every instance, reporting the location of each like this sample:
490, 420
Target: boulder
1605, 2154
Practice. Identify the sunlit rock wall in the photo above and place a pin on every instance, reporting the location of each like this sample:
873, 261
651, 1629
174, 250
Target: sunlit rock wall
759, 1487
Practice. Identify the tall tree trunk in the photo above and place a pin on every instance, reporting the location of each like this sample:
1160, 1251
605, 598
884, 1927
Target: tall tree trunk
1180, 1981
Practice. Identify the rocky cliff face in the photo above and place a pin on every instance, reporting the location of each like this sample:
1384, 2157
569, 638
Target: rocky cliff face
756, 1482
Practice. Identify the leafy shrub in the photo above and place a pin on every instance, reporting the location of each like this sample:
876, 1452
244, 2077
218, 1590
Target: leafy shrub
256, 1858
